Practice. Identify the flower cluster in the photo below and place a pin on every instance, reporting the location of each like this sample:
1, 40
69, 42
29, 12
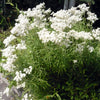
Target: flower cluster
30, 19
26, 97
9, 39
6, 91
21, 45
96, 34
10, 58
53, 36
20, 75
62, 19
28, 70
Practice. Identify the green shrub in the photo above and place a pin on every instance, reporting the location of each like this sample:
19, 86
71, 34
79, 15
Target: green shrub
54, 56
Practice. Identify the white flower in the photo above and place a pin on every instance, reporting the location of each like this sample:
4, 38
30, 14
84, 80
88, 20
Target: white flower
74, 61
80, 47
47, 11
53, 36
22, 19
40, 6
44, 35
12, 58
6, 91
21, 85
19, 76
92, 17
21, 46
65, 18
21, 26
28, 70
83, 7
38, 14
30, 67
9, 39
96, 34
8, 66
8, 51
25, 97
80, 35
90, 48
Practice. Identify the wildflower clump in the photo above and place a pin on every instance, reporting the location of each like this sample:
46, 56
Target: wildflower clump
54, 56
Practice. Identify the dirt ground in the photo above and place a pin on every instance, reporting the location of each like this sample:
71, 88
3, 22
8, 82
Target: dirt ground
3, 85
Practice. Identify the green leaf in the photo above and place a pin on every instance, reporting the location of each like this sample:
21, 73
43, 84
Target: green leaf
10, 3
58, 96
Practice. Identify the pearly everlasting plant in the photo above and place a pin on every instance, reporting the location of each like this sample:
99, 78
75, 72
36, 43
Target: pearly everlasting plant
53, 55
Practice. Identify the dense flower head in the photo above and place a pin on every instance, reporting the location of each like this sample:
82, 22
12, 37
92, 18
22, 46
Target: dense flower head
96, 34
28, 70
21, 45
62, 19
8, 51
80, 35
83, 8
26, 97
9, 39
92, 17
19, 76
